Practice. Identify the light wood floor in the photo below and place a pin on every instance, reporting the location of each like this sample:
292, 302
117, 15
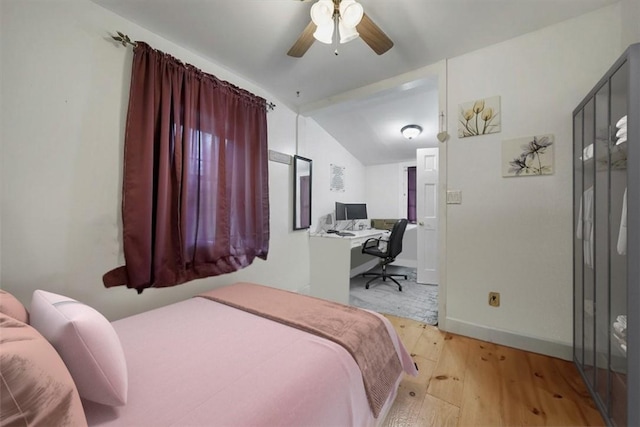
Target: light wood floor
466, 382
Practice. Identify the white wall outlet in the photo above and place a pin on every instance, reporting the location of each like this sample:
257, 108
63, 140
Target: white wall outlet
454, 197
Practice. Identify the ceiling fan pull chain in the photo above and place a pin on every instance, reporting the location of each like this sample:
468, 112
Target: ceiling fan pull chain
336, 17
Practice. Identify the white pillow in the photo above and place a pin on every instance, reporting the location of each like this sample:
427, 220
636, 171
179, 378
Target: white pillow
87, 343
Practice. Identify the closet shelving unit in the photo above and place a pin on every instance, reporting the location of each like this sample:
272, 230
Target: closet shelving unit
606, 265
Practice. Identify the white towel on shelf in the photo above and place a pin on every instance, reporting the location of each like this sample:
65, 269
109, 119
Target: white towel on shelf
621, 132
621, 140
622, 343
622, 233
622, 122
585, 227
620, 329
622, 319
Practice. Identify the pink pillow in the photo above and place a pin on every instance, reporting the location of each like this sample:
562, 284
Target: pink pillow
35, 385
10, 306
87, 343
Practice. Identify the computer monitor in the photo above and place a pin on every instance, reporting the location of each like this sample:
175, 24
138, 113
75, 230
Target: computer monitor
356, 211
341, 211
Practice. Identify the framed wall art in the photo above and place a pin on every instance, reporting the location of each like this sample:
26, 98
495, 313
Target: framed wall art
479, 117
528, 156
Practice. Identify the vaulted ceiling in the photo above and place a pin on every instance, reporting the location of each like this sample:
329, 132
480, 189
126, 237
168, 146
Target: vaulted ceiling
252, 37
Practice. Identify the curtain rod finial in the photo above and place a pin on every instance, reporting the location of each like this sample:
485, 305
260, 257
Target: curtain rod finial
124, 39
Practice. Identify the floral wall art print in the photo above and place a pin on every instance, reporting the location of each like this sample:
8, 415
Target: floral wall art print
529, 156
479, 117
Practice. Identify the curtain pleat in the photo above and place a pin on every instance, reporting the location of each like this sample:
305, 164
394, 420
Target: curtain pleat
411, 194
195, 186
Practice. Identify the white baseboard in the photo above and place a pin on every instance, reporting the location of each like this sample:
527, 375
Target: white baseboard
557, 349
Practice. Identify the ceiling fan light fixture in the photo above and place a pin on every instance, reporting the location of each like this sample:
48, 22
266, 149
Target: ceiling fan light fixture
324, 33
411, 131
322, 12
322, 16
345, 18
347, 33
351, 13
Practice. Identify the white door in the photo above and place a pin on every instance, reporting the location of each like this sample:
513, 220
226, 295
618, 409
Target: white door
427, 214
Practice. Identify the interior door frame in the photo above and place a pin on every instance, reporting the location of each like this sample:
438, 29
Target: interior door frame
441, 69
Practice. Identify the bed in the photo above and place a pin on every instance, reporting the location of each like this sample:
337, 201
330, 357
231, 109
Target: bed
206, 362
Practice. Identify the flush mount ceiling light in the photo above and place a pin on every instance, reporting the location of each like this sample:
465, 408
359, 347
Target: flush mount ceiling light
328, 15
411, 131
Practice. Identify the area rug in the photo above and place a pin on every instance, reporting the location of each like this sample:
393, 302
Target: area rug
416, 301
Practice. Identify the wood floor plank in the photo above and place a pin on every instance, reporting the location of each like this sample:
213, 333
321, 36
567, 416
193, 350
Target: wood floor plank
448, 377
463, 381
408, 330
562, 386
425, 373
524, 404
482, 397
411, 396
430, 343
437, 413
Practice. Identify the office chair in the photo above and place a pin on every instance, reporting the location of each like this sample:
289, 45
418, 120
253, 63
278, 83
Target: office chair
387, 254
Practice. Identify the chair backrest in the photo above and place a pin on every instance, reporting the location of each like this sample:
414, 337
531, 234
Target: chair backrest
395, 240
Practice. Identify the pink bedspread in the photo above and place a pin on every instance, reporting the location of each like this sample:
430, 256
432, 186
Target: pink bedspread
360, 332
199, 362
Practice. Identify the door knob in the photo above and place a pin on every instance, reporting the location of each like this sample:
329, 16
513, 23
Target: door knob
421, 223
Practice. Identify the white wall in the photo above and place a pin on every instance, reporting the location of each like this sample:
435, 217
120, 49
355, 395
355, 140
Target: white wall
64, 100
315, 143
513, 235
386, 192
630, 22
386, 197
63, 104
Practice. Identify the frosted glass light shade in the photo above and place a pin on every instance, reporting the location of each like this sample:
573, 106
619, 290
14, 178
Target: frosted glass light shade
350, 13
322, 16
324, 33
347, 33
411, 131
322, 12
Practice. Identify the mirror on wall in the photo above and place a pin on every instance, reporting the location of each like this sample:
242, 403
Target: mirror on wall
301, 193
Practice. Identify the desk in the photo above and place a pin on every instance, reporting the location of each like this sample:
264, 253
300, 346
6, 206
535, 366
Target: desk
335, 259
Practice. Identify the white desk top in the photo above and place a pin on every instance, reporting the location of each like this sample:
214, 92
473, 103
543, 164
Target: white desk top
358, 238
356, 233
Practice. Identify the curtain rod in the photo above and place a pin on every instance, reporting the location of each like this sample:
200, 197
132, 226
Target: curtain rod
125, 40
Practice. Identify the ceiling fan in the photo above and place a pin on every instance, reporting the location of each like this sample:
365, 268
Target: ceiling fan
344, 18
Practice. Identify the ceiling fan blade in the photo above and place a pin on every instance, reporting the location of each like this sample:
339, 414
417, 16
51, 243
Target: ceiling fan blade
304, 42
373, 35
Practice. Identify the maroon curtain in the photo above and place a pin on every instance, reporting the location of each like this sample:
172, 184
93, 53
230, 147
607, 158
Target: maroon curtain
305, 201
195, 197
411, 194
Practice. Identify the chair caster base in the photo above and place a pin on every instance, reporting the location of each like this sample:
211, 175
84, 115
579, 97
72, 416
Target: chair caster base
384, 276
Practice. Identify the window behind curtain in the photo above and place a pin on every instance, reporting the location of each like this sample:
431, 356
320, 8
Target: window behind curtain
195, 186
411, 194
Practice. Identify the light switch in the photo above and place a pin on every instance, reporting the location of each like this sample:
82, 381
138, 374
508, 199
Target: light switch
454, 197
